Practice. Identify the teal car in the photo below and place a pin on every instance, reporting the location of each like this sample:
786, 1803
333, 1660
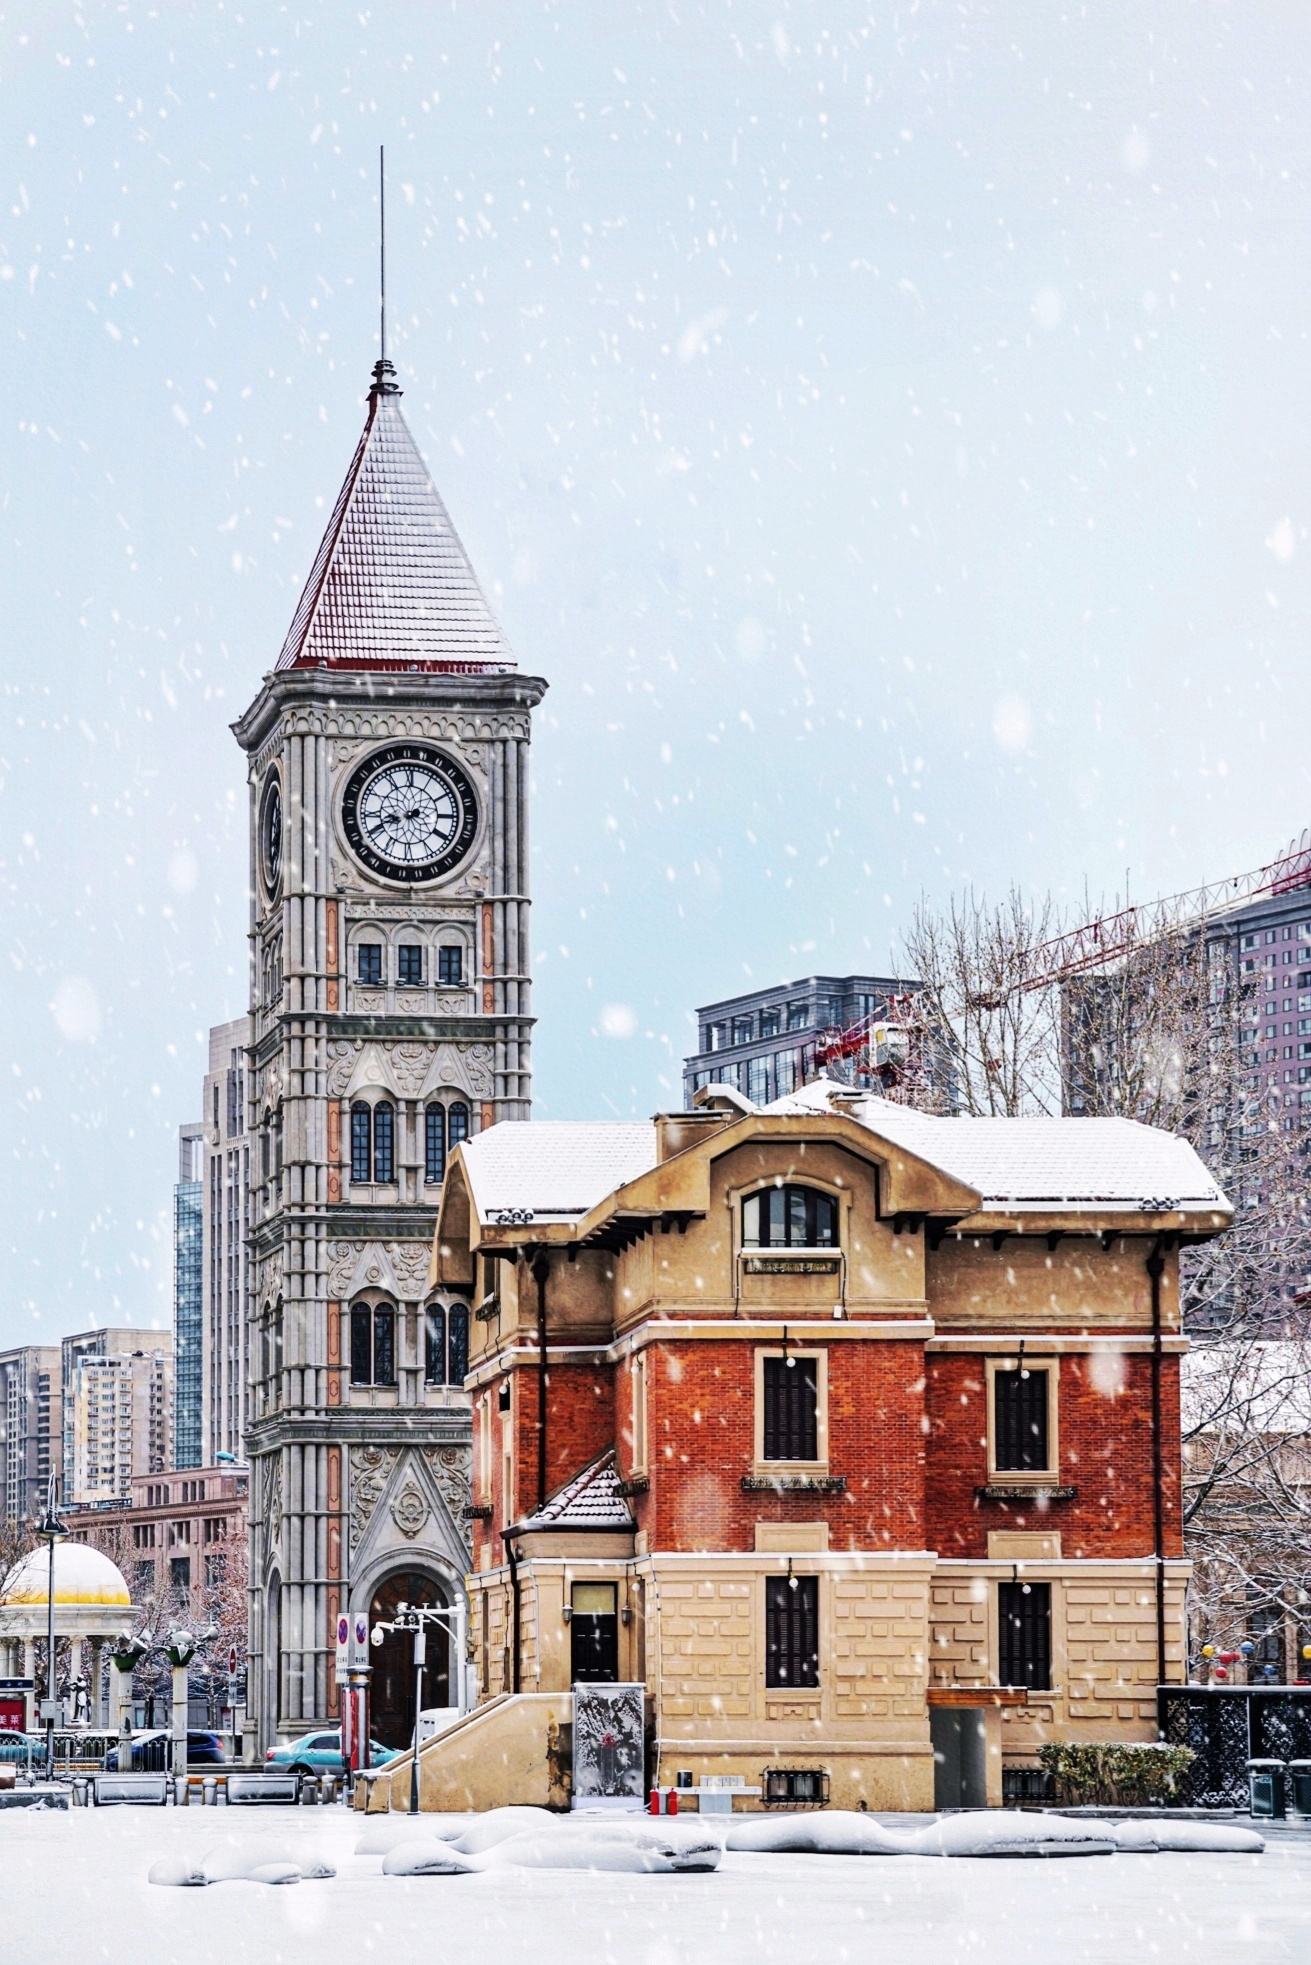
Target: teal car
320, 1753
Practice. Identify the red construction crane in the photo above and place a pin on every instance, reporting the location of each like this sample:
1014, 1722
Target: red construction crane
882, 1046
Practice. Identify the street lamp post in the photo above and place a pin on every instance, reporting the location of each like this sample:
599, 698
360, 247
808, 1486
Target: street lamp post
416, 1618
52, 1530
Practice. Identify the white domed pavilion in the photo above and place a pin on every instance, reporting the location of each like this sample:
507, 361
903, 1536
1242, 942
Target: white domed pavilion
92, 1603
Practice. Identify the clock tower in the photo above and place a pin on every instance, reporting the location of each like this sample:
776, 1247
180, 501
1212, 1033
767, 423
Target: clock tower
390, 1018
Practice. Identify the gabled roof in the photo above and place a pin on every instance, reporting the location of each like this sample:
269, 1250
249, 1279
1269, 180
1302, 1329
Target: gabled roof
391, 586
554, 1167
1093, 1164
591, 1499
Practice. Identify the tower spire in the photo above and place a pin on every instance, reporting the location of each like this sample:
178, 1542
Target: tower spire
384, 373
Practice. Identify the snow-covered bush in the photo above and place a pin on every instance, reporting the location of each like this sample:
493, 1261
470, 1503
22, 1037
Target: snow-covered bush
1115, 1773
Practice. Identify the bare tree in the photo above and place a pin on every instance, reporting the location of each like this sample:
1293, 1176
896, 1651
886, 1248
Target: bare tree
1000, 1038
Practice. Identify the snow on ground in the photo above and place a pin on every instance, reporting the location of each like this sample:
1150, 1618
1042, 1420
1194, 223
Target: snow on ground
73, 1891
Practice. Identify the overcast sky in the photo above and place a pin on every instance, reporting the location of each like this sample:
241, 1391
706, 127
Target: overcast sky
885, 429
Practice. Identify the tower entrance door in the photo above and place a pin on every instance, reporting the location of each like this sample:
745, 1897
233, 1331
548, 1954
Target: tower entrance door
392, 1689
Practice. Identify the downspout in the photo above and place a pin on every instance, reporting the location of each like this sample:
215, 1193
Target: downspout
541, 1270
1155, 1270
508, 1536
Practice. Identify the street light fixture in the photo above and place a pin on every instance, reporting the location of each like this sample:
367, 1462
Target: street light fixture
416, 1618
51, 1530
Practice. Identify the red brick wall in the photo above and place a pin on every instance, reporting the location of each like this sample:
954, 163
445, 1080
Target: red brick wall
1105, 1448
580, 1411
701, 1441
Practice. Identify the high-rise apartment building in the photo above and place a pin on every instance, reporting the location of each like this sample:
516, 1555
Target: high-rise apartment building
31, 1428
117, 1388
188, 1296
225, 1313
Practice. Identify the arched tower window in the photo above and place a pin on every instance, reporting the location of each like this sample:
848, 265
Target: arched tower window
457, 1124
373, 1344
434, 1155
446, 1344
361, 1137
384, 1142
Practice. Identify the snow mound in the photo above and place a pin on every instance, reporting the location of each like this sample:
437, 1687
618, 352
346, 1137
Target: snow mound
425, 1855
632, 1849
497, 1825
842, 1832
1010, 1833
391, 1831
179, 1871
639, 1852
240, 1861
1202, 1838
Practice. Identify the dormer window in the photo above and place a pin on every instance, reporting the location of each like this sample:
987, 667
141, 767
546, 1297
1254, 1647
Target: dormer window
789, 1217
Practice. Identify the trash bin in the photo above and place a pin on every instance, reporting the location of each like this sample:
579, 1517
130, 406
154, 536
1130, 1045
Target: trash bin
1299, 1787
1265, 1782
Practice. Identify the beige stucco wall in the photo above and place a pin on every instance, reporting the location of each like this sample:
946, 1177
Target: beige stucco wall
1103, 1645
866, 1722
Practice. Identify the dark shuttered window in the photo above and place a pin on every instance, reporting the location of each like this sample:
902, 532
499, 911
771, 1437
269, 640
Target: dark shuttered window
1024, 1621
373, 1344
792, 1630
791, 1409
1020, 1421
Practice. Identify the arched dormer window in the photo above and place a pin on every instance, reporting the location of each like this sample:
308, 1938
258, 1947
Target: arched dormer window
790, 1217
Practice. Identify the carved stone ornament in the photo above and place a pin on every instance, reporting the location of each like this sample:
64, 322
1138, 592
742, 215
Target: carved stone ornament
371, 1468
410, 1510
409, 1261
341, 1066
451, 1467
409, 1063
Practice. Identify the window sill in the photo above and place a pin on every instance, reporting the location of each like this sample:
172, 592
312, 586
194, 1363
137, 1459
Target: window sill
815, 1692
1041, 1491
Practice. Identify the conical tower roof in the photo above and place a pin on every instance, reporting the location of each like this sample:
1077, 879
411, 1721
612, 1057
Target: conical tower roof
392, 587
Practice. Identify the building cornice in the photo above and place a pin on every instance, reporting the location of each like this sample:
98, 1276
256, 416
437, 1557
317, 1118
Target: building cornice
329, 691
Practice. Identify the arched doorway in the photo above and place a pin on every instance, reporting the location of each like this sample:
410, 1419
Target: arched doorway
392, 1690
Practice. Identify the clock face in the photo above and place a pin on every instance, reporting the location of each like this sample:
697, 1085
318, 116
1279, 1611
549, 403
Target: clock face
270, 832
409, 813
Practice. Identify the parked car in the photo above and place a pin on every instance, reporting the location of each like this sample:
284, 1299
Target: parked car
151, 1752
17, 1746
320, 1753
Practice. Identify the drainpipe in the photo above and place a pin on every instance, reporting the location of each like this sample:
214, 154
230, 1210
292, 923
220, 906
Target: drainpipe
1155, 1270
508, 1536
541, 1270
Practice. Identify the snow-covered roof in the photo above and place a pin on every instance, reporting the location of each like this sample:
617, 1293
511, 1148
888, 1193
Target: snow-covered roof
1035, 1163
555, 1167
391, 586
591, 1499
